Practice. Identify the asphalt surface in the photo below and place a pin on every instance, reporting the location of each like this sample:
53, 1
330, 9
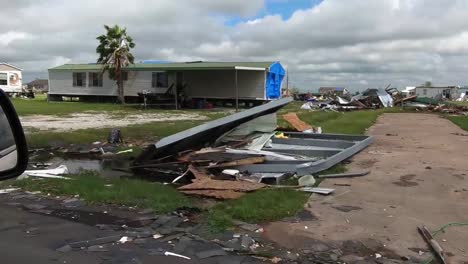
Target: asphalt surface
27, 237
31, 237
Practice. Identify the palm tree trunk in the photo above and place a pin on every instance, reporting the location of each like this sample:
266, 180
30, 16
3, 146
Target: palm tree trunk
120, 88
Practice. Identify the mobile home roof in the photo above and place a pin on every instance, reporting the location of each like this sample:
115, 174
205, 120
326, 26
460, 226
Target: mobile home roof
169, 66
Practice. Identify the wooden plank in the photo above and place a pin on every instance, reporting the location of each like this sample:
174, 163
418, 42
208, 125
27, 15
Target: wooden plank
210, 184
241, 162
199, 173
295, 122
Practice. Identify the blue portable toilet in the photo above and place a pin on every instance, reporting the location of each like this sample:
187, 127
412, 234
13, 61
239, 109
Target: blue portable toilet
274, 79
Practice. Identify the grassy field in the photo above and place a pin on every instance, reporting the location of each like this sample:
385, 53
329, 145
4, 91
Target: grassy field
465, 103
461, 121
40, 106
354, 122
97, 190
257, 207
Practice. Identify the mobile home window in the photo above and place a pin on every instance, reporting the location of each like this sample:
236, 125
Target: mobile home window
95, 79
79, 79
424, 91
3, 78
160, 80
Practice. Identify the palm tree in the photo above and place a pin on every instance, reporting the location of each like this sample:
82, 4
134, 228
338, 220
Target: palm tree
114, 54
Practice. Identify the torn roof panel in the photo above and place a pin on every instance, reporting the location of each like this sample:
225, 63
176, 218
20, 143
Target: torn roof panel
207, 133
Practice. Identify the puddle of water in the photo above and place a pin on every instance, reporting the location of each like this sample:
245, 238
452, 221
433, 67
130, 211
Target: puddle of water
104, 167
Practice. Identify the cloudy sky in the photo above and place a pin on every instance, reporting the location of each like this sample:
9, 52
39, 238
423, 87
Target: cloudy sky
351, 43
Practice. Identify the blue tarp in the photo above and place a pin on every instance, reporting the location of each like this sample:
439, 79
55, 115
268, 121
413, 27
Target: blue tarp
273, 82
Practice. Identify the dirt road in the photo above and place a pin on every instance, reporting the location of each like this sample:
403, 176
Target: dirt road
419, 176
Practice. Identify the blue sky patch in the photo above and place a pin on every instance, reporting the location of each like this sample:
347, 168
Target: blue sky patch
285, 8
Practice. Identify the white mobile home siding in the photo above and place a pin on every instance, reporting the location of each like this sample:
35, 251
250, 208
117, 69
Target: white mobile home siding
14, 79
61, 83
433, 92
221, 84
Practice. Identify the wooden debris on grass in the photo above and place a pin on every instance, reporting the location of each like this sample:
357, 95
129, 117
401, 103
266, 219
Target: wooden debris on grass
217, 194
210, 184
295, 122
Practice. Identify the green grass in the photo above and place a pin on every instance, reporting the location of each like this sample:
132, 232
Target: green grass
129, 192
256, 207
461, 121
353, 122
465, 103
40, 106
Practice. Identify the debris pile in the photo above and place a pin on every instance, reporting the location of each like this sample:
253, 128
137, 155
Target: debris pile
383, 98
369, 99
244, 152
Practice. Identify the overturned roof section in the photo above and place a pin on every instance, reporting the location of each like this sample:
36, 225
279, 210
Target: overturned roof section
206, 134
170, 66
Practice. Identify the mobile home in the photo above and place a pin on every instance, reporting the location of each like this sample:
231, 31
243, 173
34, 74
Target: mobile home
10, 78
196, 80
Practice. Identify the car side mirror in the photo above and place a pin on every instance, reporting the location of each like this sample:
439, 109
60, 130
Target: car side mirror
13, 148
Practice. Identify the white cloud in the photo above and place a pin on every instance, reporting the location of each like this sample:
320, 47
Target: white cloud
11, 36
352, 43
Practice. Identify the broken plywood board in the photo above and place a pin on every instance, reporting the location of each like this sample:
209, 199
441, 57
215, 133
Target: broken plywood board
295, 122
210, 184
218, 194
198, 173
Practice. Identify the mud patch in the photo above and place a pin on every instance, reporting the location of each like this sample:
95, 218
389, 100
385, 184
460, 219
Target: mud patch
100, 120
366, 248
304, 215
366, 163
347, 208
458, 176
405, 181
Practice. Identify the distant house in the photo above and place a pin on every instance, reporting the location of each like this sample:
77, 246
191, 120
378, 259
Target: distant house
39, 84
195, 80
333, 91
438, 92
10, 78
409, 91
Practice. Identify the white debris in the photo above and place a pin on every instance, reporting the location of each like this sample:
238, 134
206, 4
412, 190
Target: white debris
8, 190
124, 240
157, 236
377, 255
124, 151
167, 253
50, 173
230, 172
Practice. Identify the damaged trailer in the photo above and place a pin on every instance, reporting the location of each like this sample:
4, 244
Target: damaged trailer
284, 152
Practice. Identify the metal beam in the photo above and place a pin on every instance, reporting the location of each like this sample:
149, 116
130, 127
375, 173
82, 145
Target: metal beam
207, 133
249, 68
237, 92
